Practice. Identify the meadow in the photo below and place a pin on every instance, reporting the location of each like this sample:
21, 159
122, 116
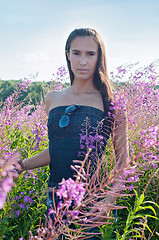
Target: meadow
23, 133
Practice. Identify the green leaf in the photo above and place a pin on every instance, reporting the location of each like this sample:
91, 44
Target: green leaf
152, 217
141, 199
151, 203
150, 207
138, 216
148, 228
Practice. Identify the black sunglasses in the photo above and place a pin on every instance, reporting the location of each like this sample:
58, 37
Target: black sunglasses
64, 121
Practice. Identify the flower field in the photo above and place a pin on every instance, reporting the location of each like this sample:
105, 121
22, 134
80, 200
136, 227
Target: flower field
23, 133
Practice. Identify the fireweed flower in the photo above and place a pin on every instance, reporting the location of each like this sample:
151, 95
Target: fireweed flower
6, 174
58, 86
24, 84
121, 69
151, 136
8, 184
71, 192
61, 76
3, 198
62, 71
139, 93
92, 138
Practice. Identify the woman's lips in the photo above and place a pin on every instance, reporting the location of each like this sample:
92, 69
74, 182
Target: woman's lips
82, 70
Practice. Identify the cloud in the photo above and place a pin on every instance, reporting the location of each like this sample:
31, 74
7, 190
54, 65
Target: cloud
30, 57
44, 56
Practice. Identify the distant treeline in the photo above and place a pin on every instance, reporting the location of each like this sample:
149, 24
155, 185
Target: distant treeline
35, 92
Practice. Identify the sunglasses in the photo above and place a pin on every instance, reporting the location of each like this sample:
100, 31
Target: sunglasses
65, 119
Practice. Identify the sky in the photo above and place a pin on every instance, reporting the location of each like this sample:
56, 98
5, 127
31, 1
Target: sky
33, 33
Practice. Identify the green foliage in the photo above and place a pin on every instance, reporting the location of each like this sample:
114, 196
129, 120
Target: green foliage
137, 224
139, 219
108, 231
17, 225
20, 214
35, 91
7, 88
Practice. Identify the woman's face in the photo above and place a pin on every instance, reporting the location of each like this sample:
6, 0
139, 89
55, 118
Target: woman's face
83, 57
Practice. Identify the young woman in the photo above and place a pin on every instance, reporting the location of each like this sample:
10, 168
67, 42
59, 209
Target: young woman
88, 97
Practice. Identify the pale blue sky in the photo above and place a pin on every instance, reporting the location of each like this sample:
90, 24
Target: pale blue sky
33, 33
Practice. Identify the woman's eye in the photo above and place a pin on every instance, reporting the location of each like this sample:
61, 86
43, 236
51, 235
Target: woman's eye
75, 53
91, 54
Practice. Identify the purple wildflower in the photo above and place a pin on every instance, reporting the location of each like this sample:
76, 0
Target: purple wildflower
21, 205
28, 199
17, 213
7, 184
3, 197
70, 190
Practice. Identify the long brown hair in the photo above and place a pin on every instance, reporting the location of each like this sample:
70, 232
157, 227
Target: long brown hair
101, 80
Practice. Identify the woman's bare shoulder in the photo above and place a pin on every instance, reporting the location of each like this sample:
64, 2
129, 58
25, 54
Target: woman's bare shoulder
53, 98
49, 98
51, 94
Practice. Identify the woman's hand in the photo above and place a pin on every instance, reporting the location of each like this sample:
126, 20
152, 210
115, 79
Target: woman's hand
100, 212
19, 166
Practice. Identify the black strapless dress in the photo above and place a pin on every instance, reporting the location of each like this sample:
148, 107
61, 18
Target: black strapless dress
66, 145
70, 143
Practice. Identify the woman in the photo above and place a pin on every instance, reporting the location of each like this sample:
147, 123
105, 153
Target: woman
88, 97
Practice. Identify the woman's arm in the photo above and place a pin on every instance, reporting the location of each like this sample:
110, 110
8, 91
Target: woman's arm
40, 160
43, 158
120, 142
120, 139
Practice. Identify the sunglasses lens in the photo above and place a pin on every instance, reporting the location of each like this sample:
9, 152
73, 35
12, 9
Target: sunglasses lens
64, 121
70, 109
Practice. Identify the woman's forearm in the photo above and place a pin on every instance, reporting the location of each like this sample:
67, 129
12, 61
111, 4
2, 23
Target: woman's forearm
40, 160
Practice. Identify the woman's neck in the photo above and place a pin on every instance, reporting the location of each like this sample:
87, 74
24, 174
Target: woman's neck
83, 88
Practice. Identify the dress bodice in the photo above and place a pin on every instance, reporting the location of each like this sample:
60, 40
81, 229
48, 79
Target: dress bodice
67, 144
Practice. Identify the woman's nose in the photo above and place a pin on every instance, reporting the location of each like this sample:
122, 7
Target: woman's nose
83, 60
